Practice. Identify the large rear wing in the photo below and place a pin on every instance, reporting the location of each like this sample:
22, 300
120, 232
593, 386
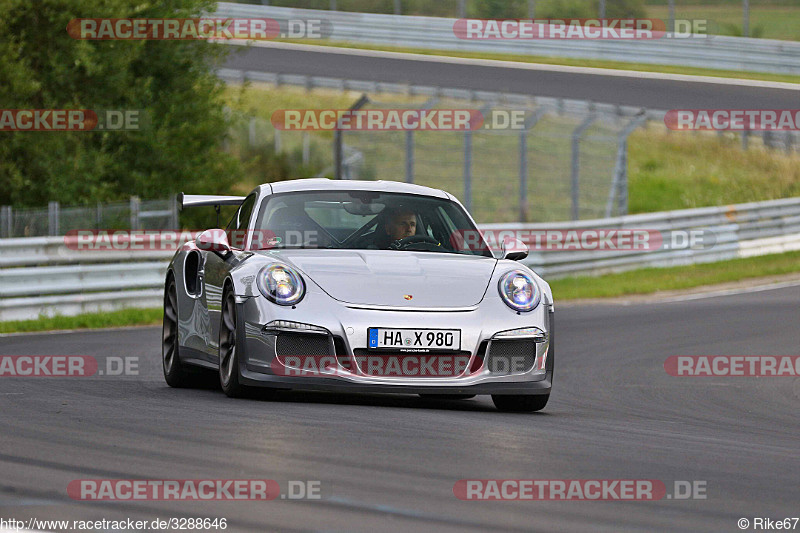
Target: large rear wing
196, 200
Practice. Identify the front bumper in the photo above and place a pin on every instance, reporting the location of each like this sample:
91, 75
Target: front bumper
349, 323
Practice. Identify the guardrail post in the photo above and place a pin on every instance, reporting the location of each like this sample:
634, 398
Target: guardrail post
576, 168
6, 225
52, 219
410, 156
135, 204
468, 170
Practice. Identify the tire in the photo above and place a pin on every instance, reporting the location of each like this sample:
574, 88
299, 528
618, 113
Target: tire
447, 396
518, 403
229, 378
176, 373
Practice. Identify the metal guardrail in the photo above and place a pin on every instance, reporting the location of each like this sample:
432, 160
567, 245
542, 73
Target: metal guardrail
43, 276
717, 52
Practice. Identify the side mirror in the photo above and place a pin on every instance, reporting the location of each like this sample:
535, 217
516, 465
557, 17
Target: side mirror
514, 249
213, 240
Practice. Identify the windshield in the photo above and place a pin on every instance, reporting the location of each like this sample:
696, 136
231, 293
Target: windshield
366, 220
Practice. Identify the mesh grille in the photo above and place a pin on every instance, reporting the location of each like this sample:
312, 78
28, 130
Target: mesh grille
454, 363
298, 344
511, 356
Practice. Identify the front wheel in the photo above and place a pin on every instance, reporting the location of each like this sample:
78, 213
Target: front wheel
518, 403
228, 356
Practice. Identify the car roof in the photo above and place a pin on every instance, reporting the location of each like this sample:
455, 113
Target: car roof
324, 184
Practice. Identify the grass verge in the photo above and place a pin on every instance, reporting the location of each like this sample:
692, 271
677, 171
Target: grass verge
643, 281
110, 319
652, 280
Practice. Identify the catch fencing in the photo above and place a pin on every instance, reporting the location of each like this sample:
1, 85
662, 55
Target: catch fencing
44, 276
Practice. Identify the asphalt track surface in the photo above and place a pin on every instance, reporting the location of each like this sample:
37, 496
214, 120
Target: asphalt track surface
389, 463
613, 89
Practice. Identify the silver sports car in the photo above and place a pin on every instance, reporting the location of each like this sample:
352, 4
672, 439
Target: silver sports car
357, 286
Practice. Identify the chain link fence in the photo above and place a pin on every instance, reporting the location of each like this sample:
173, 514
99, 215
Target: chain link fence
559, 166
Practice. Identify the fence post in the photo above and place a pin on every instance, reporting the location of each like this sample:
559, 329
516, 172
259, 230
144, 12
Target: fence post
468, 170
98, 216
523, 163
333, 5
134, 212
523, 176
462, 10
789, 140
410, 156
52, 219
306, 148
619, 183
6, 229
173, 207
531, 9
576, 169
251, 137
277, 141
337, 139
745, 135
398, 8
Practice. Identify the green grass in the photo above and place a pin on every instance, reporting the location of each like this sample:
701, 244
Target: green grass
643, 281
123, 317
766, 22
652, 280
572, 62
681, 170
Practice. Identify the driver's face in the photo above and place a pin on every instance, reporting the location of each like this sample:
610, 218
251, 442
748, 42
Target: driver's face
402, 226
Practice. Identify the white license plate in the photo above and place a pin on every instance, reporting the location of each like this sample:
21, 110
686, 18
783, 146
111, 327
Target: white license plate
414, 339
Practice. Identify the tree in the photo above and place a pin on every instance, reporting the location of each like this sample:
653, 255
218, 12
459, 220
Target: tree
170, 82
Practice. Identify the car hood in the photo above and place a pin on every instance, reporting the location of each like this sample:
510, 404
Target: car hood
394, 278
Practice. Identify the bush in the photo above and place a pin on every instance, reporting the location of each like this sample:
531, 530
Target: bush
171, 82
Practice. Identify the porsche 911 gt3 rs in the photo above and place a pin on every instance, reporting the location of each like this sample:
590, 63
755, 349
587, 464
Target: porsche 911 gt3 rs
357, 286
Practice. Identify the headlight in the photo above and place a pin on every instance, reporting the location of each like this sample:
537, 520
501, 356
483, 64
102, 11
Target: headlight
281, 284
519, 291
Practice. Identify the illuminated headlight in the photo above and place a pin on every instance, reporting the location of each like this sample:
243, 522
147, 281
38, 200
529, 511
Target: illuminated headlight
281, 284
519, 291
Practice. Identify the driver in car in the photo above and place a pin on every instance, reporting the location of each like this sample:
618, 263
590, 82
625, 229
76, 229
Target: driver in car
399, 223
